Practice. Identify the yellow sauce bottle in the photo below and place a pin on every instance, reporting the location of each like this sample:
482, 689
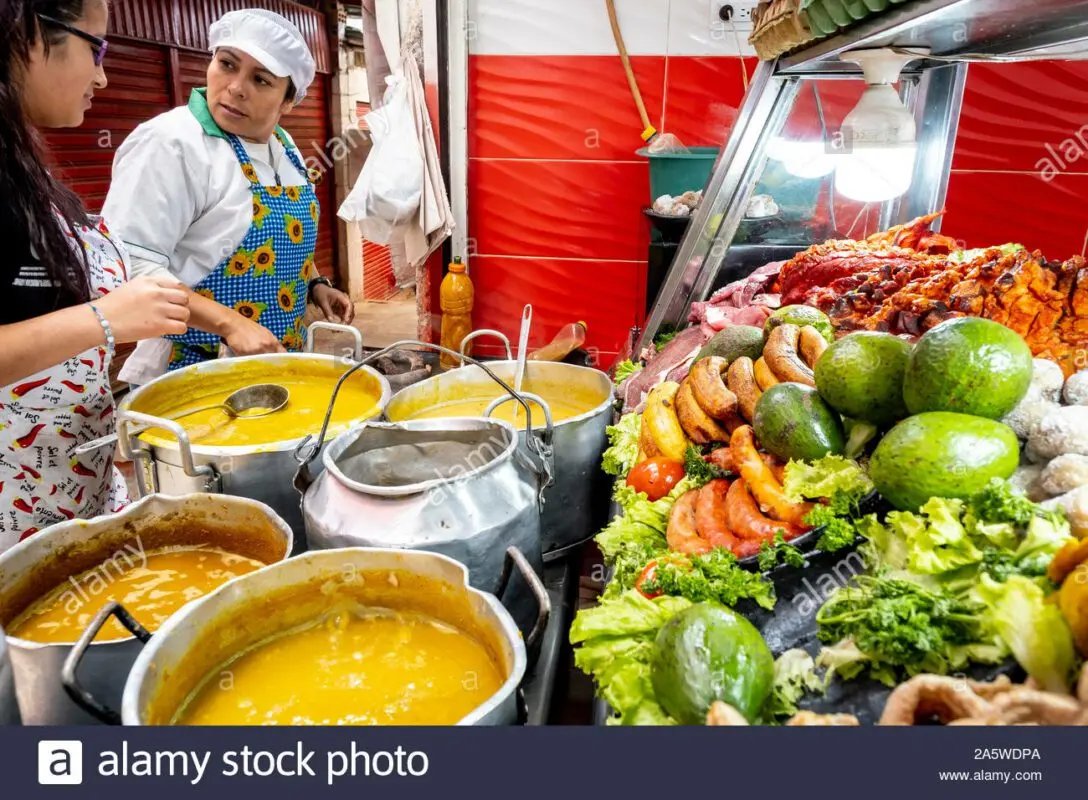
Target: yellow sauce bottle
455, 298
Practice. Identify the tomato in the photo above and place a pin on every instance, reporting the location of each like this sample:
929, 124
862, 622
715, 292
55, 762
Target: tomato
648, 573
655, 477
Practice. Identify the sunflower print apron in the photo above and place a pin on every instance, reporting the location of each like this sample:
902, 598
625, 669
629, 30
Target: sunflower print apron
266, 279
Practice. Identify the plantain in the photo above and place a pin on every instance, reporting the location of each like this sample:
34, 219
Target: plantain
646, 446
661, 420
741, 381
699, 426
711, 393
784, 359
765, 377
812, 345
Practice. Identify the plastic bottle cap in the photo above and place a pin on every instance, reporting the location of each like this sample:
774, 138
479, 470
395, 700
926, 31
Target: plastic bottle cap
457, 267
583, 325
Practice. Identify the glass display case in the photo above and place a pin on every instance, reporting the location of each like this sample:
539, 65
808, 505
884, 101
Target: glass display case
804, 163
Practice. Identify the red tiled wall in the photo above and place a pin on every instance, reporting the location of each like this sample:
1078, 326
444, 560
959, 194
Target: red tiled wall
997, 191
556, 190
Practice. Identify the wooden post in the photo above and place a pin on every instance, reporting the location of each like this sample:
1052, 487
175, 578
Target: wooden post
339, 171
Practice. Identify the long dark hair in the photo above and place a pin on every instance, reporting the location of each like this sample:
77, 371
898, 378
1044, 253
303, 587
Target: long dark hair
31, 196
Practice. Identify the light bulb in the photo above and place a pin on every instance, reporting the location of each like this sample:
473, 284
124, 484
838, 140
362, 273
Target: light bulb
877, 142
802, 159
870, 174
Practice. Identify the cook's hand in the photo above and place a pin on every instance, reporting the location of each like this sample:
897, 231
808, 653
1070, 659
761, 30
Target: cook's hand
146, 307
248, 338
334, 304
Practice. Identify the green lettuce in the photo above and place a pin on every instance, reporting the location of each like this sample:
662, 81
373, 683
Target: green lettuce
828, 477
623, 445
937, 542
614, 644
794, 675
641, 523
1032, 628
625, 369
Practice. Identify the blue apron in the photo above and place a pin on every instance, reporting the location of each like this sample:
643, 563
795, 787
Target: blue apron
266, 279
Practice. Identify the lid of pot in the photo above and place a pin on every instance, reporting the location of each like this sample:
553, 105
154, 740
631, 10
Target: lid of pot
406, 458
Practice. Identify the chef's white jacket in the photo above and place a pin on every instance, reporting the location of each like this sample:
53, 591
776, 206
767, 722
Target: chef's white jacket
179, 201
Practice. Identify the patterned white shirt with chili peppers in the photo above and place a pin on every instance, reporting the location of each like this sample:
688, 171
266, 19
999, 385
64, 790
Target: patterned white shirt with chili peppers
45, 416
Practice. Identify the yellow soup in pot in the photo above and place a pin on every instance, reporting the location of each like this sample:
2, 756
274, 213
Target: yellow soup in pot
372, 666
563, 402
307, 404
151, 586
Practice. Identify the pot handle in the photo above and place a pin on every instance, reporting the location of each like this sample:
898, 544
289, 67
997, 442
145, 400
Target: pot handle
207, 471
68, 678
541, 446
354, 332
307, 449
544, 603
487, 332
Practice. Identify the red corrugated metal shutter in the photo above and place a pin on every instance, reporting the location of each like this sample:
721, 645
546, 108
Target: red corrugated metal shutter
378, 280
136, 90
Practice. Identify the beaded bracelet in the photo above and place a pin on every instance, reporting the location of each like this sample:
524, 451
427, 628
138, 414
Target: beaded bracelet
106, 327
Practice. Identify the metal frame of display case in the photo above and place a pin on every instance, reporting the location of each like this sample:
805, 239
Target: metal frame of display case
955, 33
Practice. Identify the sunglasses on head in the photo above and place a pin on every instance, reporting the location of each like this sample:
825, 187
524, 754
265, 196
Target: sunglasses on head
100, 46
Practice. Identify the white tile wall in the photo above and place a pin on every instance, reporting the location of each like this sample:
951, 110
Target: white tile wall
566, 27
696, 30
581, 27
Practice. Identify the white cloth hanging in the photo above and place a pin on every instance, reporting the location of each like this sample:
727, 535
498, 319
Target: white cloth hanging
399, 198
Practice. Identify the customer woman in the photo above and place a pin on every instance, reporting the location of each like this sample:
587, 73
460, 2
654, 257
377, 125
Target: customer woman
216, 194
64, 302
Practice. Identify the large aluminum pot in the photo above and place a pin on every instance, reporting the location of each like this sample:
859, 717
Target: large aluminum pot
576, 505
9, 707
460, 487
62, 552
260, 472
197, 641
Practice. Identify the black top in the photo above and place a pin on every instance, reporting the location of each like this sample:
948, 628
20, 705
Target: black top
26, 290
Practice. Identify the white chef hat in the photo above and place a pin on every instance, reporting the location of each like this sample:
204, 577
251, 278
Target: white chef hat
271, 39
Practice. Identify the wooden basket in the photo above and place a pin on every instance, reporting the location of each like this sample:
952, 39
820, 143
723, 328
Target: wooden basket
778, 27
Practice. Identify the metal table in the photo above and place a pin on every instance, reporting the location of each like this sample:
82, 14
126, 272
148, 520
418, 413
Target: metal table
561, 580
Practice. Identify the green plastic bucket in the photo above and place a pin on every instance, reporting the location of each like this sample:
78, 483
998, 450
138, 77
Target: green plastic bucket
676, 173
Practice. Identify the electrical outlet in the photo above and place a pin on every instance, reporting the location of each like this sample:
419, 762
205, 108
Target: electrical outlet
727, 16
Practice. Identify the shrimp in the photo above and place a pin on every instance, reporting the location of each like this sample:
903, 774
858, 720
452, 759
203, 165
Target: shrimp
710, 511
682, 534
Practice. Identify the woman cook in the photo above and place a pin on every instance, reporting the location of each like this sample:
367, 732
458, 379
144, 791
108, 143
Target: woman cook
64, 301
216, 194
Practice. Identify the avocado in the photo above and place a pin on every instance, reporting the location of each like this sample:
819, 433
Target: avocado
941, 454
792, 421
707, 653
968, 365
733, 343
800, 316
861, 376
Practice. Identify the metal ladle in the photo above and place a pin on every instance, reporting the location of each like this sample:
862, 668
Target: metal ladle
251, 402
265, 398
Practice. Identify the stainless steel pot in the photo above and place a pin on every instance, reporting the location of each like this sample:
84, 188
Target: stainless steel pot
260, 472
49, 558
576, 505
198, 640
9, 706
459, 487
